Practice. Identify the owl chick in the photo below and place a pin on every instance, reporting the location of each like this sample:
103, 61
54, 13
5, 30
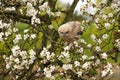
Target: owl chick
70, 31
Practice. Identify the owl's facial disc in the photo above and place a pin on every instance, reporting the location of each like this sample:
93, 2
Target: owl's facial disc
63, 34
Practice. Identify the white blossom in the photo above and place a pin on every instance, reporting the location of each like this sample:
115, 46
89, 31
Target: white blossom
107, 25
32, 54
76, 63
82, 41
21, 11
75, 43
33, 36
67, 66
17, 60
9, 32
97, 62
66, 48
89, 45
26, 36
107, 70
26, 30
17, 38
45, 53
104, 17
117, 44
104, 73
110, 14
86, 65
93, 37
97, 48
15, 29
92, 57
1, 36
84, 57
23, 54
58, 13
103, 1
79, 73
1, 24
104, 55
15, 49
35, 20
66, 54
49, 55
44, 6
97, 20
51, 27
48, 71
30, 10
118, 30
105, 36
10, 9
8, 66
99, 41
81, 50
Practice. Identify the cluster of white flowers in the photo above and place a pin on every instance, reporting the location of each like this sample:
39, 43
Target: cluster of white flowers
35, 20
48, 71
97, 48
86, 65
81, 50
84, 57
32, 36
76, 63
104, 55
107, 25
19, 59
67, 66
17, 38
6, 30
89, 45
83, 41
79, 73
10, 9
97, 20
65, 55
67, 48
87, 6
46, 8
30, 10
28, 36
105, 36
93, 37
107, 70
1, 36
46, 54
97, 62
117, 44
51, 26
115, 5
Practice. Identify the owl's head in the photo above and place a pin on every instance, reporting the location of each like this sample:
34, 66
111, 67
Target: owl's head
64, 30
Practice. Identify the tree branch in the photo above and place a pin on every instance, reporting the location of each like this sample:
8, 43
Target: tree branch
70, 11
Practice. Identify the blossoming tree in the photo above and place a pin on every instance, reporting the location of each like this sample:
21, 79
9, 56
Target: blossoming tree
30, 47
